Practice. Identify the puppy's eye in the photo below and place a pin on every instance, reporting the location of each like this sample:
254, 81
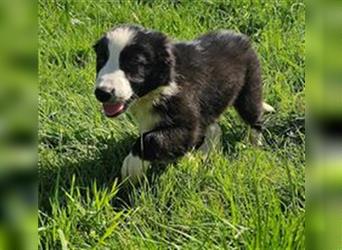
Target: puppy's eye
139, 60
136, 63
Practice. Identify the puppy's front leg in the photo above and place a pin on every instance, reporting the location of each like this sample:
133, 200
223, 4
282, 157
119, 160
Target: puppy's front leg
165, 144
158, 145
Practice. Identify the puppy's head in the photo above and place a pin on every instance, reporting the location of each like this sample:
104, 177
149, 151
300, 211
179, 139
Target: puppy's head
130, 63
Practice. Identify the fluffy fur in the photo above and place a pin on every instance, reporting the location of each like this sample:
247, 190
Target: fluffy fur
176, 90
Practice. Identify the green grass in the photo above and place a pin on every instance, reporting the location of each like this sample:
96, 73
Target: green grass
239, 198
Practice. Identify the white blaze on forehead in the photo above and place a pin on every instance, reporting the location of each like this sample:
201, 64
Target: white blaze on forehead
118, 39
111, 76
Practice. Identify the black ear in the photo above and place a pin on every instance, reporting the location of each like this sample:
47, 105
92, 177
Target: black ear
101, 44
164, 44
96, 44
164, 58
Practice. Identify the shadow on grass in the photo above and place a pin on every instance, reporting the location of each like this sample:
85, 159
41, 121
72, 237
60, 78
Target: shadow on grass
102, 168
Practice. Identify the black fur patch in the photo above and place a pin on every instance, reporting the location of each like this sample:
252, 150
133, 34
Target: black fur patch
147, 62
102, 53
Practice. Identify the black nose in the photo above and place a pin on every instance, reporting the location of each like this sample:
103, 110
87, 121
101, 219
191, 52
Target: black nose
102, 95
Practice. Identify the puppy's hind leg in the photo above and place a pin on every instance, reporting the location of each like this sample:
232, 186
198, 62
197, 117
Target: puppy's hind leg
255, 135
249, 103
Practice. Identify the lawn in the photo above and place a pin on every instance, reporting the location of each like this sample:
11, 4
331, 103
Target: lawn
240, 197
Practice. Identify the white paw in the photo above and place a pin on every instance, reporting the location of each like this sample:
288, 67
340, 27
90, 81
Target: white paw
256, 138
212, 139
133, 167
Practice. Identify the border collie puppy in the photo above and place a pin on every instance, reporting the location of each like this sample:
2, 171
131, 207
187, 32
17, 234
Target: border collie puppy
176, 90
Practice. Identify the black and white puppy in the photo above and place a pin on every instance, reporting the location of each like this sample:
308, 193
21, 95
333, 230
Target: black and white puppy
176, 90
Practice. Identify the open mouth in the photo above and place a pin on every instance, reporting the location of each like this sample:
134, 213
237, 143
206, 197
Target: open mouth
114, 109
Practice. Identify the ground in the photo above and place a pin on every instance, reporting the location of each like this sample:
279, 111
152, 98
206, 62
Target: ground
240, 197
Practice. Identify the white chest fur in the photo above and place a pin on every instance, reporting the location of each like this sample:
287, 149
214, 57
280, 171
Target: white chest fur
142, 109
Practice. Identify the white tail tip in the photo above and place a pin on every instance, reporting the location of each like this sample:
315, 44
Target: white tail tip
267, 108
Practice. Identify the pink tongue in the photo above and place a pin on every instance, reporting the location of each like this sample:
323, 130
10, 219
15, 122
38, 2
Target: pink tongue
112, 109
